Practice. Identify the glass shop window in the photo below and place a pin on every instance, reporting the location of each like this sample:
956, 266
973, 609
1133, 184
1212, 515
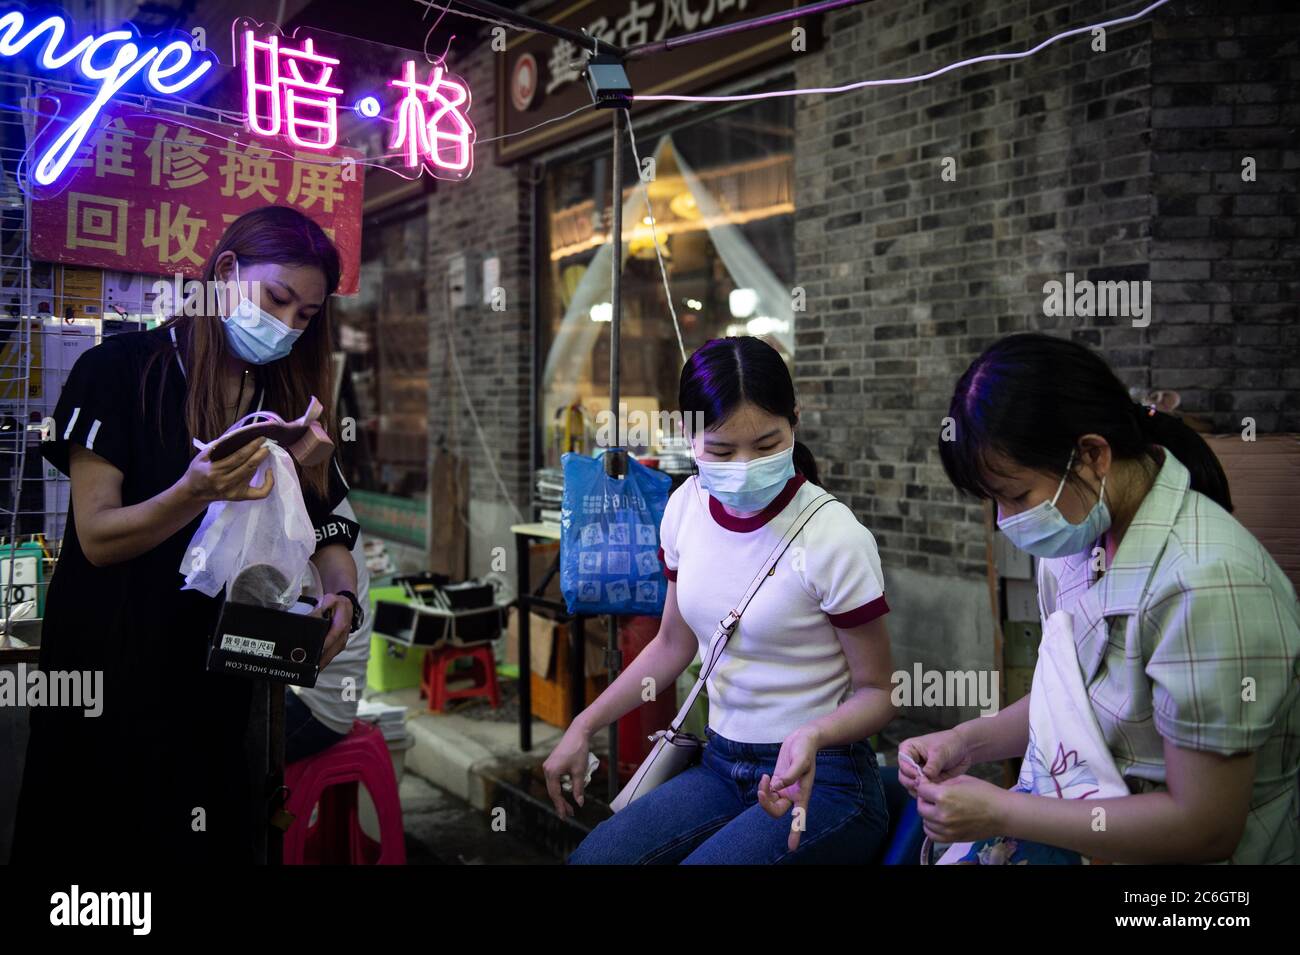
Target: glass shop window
722, 209
383, 335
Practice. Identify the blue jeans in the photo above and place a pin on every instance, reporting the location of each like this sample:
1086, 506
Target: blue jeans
709, 814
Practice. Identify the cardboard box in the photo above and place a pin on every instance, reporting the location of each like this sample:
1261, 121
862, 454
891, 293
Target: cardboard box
549, 673
542, 555
551, 697
541, 638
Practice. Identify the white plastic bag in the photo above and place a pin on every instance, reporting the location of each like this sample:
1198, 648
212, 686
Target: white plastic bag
271, 538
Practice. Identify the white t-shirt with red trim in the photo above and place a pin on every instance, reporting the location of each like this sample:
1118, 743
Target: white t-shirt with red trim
783, 666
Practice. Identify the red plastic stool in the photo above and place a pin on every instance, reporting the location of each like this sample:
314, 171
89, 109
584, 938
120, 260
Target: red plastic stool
433, 675
330, 778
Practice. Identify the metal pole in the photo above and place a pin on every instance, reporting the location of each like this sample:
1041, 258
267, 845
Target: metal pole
699, 36
275, 763
616, 300
616, 273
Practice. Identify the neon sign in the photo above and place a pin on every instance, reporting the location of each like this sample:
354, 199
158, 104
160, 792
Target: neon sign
444, 139
168, 72
305, 108
291, 90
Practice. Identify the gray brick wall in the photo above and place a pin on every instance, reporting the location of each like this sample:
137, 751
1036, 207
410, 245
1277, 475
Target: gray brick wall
487, 215
1115, 165
1225, 81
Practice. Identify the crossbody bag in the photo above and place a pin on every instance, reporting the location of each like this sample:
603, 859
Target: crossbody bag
673, 750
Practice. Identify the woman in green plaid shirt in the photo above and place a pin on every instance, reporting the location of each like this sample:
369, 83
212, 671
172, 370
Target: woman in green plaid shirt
1187, 633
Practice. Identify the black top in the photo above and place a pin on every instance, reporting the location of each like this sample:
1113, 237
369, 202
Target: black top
162, 773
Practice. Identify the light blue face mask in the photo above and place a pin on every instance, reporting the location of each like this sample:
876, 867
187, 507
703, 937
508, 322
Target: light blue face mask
1044, 532
748, 485
254, 334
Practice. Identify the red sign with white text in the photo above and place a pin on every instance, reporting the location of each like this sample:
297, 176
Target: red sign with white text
152, 193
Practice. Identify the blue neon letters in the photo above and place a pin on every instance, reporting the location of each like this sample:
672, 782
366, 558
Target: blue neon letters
167, 63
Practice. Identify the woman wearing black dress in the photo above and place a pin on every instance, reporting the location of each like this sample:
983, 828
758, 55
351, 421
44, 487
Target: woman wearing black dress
162, 774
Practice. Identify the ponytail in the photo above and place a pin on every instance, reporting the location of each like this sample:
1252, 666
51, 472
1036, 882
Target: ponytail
1030, 397
806, 463
1191, 451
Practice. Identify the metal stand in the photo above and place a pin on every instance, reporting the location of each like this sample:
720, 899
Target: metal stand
265, 740
615, 460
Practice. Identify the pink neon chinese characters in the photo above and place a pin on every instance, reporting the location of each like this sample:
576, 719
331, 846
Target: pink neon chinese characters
441, 138
295, 98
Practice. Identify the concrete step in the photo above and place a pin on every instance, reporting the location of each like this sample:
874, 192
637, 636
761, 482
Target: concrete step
479, 760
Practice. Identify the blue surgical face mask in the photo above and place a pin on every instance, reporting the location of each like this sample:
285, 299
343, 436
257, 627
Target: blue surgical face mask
254, 334
1044, 532
748, 485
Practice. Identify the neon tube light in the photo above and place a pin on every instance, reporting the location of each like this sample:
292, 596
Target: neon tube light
444, 138
164, 60
302, 107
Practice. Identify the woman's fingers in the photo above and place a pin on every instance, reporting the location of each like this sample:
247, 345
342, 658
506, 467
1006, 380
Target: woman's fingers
339, 610
907, 776
242, 490
928, 793
260, 491
773, 803
557, 797
240, 457
579, 779
242, 477
799, 815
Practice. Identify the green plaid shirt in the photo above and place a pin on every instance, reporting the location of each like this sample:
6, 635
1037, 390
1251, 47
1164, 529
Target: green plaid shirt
1192, 636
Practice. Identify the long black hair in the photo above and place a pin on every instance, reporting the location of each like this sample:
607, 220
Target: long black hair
724, 373
1031, 397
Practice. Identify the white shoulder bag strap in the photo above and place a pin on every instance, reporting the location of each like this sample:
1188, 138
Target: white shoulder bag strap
727, 626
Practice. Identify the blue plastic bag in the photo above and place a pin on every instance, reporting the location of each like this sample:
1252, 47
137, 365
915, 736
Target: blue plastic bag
609, 538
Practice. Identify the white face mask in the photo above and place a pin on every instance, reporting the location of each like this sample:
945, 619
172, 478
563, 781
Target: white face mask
1044, 532
747, 485
254, 334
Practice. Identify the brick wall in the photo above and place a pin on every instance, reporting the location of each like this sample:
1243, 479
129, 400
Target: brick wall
1225, 83
488, 215
1114, 165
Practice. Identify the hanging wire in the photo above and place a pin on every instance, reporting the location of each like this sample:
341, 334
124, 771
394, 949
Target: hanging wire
488, 453
903, 80
650, 214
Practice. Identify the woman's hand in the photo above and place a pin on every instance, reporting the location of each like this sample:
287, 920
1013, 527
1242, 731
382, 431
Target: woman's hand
338, 610
941, 756
962, 809
228, 478
568, 758
791, 784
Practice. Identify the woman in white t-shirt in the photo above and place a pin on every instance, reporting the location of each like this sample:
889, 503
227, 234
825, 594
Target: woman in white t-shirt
787, 774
